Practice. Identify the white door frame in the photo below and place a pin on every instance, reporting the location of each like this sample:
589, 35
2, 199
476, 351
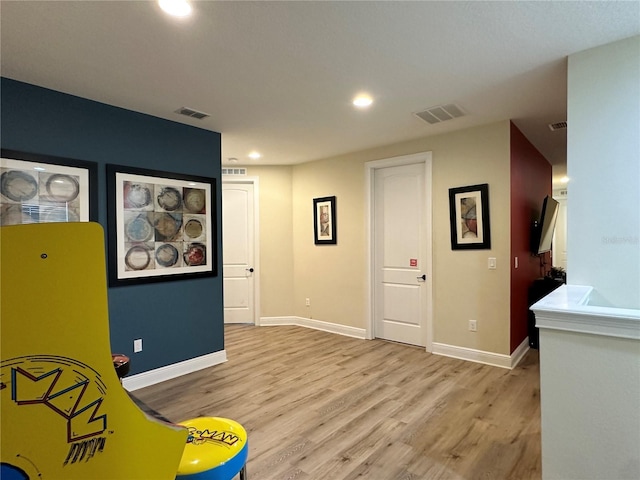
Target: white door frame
370, 168
255, 181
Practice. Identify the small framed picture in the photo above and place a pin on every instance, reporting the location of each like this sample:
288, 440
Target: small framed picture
324, 221
162, 226
469, 215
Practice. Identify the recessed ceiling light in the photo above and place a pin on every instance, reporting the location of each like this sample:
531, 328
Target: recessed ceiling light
564, 179
176, 8
255, 155
362, 101
232, 160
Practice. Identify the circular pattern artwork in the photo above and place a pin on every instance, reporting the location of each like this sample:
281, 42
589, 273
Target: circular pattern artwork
170, 199
167, 255
194, 200
38, 195
18, 186
136, 195
137, 258
138, 229
167, 226
162, 226
62, 188
195, 254
16, 214
193, 228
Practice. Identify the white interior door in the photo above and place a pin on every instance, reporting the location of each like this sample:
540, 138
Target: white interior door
238, 244
401, 236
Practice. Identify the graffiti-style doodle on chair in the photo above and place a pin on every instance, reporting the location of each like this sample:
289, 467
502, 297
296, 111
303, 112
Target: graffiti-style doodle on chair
60, 385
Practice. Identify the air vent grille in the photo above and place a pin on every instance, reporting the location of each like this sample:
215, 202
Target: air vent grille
190, 112
234, 171
440, 113
558, 126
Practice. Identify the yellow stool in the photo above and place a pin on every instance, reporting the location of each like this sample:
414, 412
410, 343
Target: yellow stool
216, 449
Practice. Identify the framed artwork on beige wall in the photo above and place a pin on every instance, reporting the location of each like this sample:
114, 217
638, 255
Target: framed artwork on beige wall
469, 216
324, 221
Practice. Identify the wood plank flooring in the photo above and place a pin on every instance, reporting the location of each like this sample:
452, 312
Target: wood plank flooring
328, 407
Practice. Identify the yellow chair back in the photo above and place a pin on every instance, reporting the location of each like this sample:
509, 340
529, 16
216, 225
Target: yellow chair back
64, 412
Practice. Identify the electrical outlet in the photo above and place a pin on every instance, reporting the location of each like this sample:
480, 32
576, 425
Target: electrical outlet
137, 345
473, 326
307, 302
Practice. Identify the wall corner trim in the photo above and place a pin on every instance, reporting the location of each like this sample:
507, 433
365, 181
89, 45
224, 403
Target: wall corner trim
316, 325
518, 354
174, 370
480, 356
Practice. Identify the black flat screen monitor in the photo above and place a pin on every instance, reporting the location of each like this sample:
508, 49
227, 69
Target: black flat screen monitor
546, 225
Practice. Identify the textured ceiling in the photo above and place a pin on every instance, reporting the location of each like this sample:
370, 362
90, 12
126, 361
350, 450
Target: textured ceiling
278, 77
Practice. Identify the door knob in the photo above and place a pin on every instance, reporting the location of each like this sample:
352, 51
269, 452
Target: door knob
423, 277
250, 270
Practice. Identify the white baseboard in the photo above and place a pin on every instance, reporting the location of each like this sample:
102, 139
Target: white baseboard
480, 356
315, 324
519, 353
151, 377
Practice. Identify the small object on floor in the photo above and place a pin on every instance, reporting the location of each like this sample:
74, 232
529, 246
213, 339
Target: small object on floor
216, 449
121, 364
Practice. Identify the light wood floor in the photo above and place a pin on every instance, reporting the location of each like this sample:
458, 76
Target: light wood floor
328, 407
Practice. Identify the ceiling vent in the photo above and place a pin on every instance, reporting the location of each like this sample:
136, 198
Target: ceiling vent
190, 112
440, 113
558, 126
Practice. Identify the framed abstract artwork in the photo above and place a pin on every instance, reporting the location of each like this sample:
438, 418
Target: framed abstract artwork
37, 188
324, 221
162, 226
469, 216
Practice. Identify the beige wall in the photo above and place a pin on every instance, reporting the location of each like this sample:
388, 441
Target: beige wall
276, 242
331, 276
334, 277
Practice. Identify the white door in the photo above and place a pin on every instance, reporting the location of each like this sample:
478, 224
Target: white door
400, 250
238, 248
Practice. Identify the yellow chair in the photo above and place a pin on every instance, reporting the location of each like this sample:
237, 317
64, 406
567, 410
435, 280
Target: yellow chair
216, 449
64, 412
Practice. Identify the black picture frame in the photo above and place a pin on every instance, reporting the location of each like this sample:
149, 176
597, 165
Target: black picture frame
161, 226
45, 206
469, 217
324, 221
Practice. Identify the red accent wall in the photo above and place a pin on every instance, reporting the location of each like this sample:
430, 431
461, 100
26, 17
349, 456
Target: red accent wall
530, 183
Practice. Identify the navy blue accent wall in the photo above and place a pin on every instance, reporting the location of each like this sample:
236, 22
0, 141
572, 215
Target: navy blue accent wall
177, 320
